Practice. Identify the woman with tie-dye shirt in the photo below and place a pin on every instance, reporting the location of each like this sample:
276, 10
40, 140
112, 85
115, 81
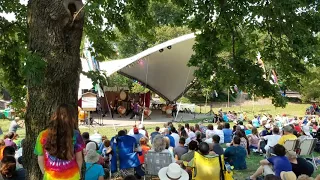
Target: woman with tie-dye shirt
59, 147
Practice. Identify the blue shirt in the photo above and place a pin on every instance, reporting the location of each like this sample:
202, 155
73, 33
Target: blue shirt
225, 118
255, 123
227, 135
266, 132
248, 131
172, 143
93, 171
236, 156
137, 137
280, 163
153, 135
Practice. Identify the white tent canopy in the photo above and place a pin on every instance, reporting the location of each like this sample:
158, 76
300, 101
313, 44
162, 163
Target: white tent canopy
162, 68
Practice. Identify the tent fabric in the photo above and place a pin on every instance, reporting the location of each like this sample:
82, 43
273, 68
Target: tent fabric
162, 68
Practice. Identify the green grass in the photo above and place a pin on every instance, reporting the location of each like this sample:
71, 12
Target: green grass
252, 162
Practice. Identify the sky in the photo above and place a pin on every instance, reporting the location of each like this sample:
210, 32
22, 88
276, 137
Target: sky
11, 16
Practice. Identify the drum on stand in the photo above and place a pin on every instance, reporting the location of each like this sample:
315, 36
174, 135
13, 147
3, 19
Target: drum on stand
163, 109
121, 110
169, 111
147, 112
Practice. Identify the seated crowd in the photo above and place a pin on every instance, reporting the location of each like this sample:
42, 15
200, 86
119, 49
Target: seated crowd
180, 143
240, 142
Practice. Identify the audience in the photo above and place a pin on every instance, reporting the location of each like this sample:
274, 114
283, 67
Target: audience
193, 146
179, 150
2, 146
94, 171
305, 133
8, 169
299, 165
9, 140
144, 149
236, 154
173, 172
175, 135
209, 132
220, 133
287, 135
153, 134
227, 133
217, 149
274, 165
62, 145
137, 135
159, 145
96, 137
254, 139
166, 133
180, 145
272, 140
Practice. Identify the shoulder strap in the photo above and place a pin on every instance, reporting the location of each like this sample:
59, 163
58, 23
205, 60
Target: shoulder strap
221, 169
90, 167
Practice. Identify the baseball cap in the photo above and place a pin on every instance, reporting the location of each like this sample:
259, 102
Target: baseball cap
135, 130
288, 128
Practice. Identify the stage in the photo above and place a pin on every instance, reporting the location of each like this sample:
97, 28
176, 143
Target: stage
156, 118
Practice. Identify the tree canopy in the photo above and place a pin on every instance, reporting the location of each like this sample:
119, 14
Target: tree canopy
231, 33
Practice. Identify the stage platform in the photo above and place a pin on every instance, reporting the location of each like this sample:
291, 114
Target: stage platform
156, 118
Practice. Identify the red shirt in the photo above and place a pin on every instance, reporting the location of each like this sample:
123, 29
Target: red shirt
297, 128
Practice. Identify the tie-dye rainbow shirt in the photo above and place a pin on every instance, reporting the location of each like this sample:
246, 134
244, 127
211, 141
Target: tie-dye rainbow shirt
58, 169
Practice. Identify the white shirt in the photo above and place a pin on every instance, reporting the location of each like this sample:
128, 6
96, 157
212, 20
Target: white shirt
220, 134
272, 140
209, 141
176, 138
143, 132
130, 133
96, 137
209, 133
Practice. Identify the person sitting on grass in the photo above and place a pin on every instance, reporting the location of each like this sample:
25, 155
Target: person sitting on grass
299, 165
217, 149
180, 149
93, 169
236, 155
193, 146
254, 139
8, 169
227, 132
273, 165
287, 135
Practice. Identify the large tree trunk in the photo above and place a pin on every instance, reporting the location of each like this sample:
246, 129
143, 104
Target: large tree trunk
56, 38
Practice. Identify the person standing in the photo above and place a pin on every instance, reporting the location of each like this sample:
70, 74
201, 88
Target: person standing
59, 147
136, 110
14, 125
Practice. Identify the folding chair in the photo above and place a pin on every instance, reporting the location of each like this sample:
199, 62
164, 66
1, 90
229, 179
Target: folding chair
154, 161
306, 149
209, 168
288, 145
291, 144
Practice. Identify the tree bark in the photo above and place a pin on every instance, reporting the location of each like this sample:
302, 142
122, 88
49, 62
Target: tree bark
55, 35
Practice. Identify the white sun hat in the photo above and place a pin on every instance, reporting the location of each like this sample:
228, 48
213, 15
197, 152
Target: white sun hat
173, 171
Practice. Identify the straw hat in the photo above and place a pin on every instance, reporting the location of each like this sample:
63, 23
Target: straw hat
92, 156
288, 175
173, 171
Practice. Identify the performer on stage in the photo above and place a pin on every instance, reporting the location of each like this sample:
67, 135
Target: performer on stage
174, 110
136, 110
130, 110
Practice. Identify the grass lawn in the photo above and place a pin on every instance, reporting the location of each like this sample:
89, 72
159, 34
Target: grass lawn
252, 162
